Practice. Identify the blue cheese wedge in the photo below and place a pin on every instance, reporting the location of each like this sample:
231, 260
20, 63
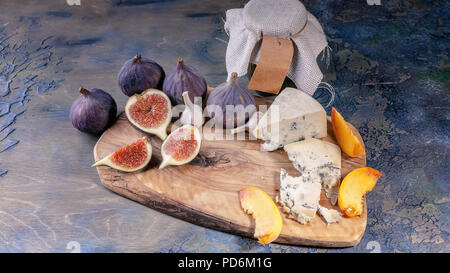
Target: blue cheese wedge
319, 158
293, 116
299, 196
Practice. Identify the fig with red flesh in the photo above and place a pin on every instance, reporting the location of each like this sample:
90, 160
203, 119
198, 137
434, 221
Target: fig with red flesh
129, 158
139, 74
150, 111
181, 146
181, 79
93, 111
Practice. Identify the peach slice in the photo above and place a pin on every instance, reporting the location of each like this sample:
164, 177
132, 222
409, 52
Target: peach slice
349, 142
354, 186
268, 222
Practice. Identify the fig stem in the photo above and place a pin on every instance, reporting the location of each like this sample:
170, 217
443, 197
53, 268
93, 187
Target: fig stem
187, 100
180, 63
137, 58
252, 121
164, 164
98, 163
84, 91
239, 129
234, 76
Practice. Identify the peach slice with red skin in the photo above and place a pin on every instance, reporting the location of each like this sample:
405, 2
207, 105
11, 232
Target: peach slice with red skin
354, 186
347, 140
268, 222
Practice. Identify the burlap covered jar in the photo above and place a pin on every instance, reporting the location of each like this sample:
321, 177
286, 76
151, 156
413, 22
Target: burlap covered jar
278, 22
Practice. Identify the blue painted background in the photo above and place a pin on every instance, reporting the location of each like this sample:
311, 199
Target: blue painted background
390, 69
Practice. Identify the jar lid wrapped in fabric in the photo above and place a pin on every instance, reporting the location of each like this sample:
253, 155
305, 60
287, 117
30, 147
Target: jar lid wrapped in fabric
279, 22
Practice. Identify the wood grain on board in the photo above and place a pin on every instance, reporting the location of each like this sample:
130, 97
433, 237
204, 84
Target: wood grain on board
206, 191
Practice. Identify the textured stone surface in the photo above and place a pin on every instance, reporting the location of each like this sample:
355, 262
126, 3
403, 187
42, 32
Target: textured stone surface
390, 69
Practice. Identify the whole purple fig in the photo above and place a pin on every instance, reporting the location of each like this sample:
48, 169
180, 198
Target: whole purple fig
229, 104
139, 74
93, 111
184, 78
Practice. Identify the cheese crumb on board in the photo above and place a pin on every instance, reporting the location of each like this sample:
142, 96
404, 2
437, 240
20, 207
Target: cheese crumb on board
329, 215
294, 115
321, 158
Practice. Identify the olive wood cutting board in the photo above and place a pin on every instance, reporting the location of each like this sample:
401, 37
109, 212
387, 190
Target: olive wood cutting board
206, 191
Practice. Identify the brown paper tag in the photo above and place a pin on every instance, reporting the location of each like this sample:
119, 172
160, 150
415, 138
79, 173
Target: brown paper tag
273, 65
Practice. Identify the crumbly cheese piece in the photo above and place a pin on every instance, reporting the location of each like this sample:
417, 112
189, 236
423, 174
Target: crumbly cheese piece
321, 158
329, 215
300, 196
293, 116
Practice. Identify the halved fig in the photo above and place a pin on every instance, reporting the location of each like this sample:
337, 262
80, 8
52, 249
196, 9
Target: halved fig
181, 146
129, 158
150, 111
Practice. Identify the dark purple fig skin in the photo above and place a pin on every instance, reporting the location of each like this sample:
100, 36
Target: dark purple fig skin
230, 93
184, 78
93, 111
139, 74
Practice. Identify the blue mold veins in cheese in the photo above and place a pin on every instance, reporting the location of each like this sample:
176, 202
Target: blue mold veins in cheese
320, 158
294, 115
